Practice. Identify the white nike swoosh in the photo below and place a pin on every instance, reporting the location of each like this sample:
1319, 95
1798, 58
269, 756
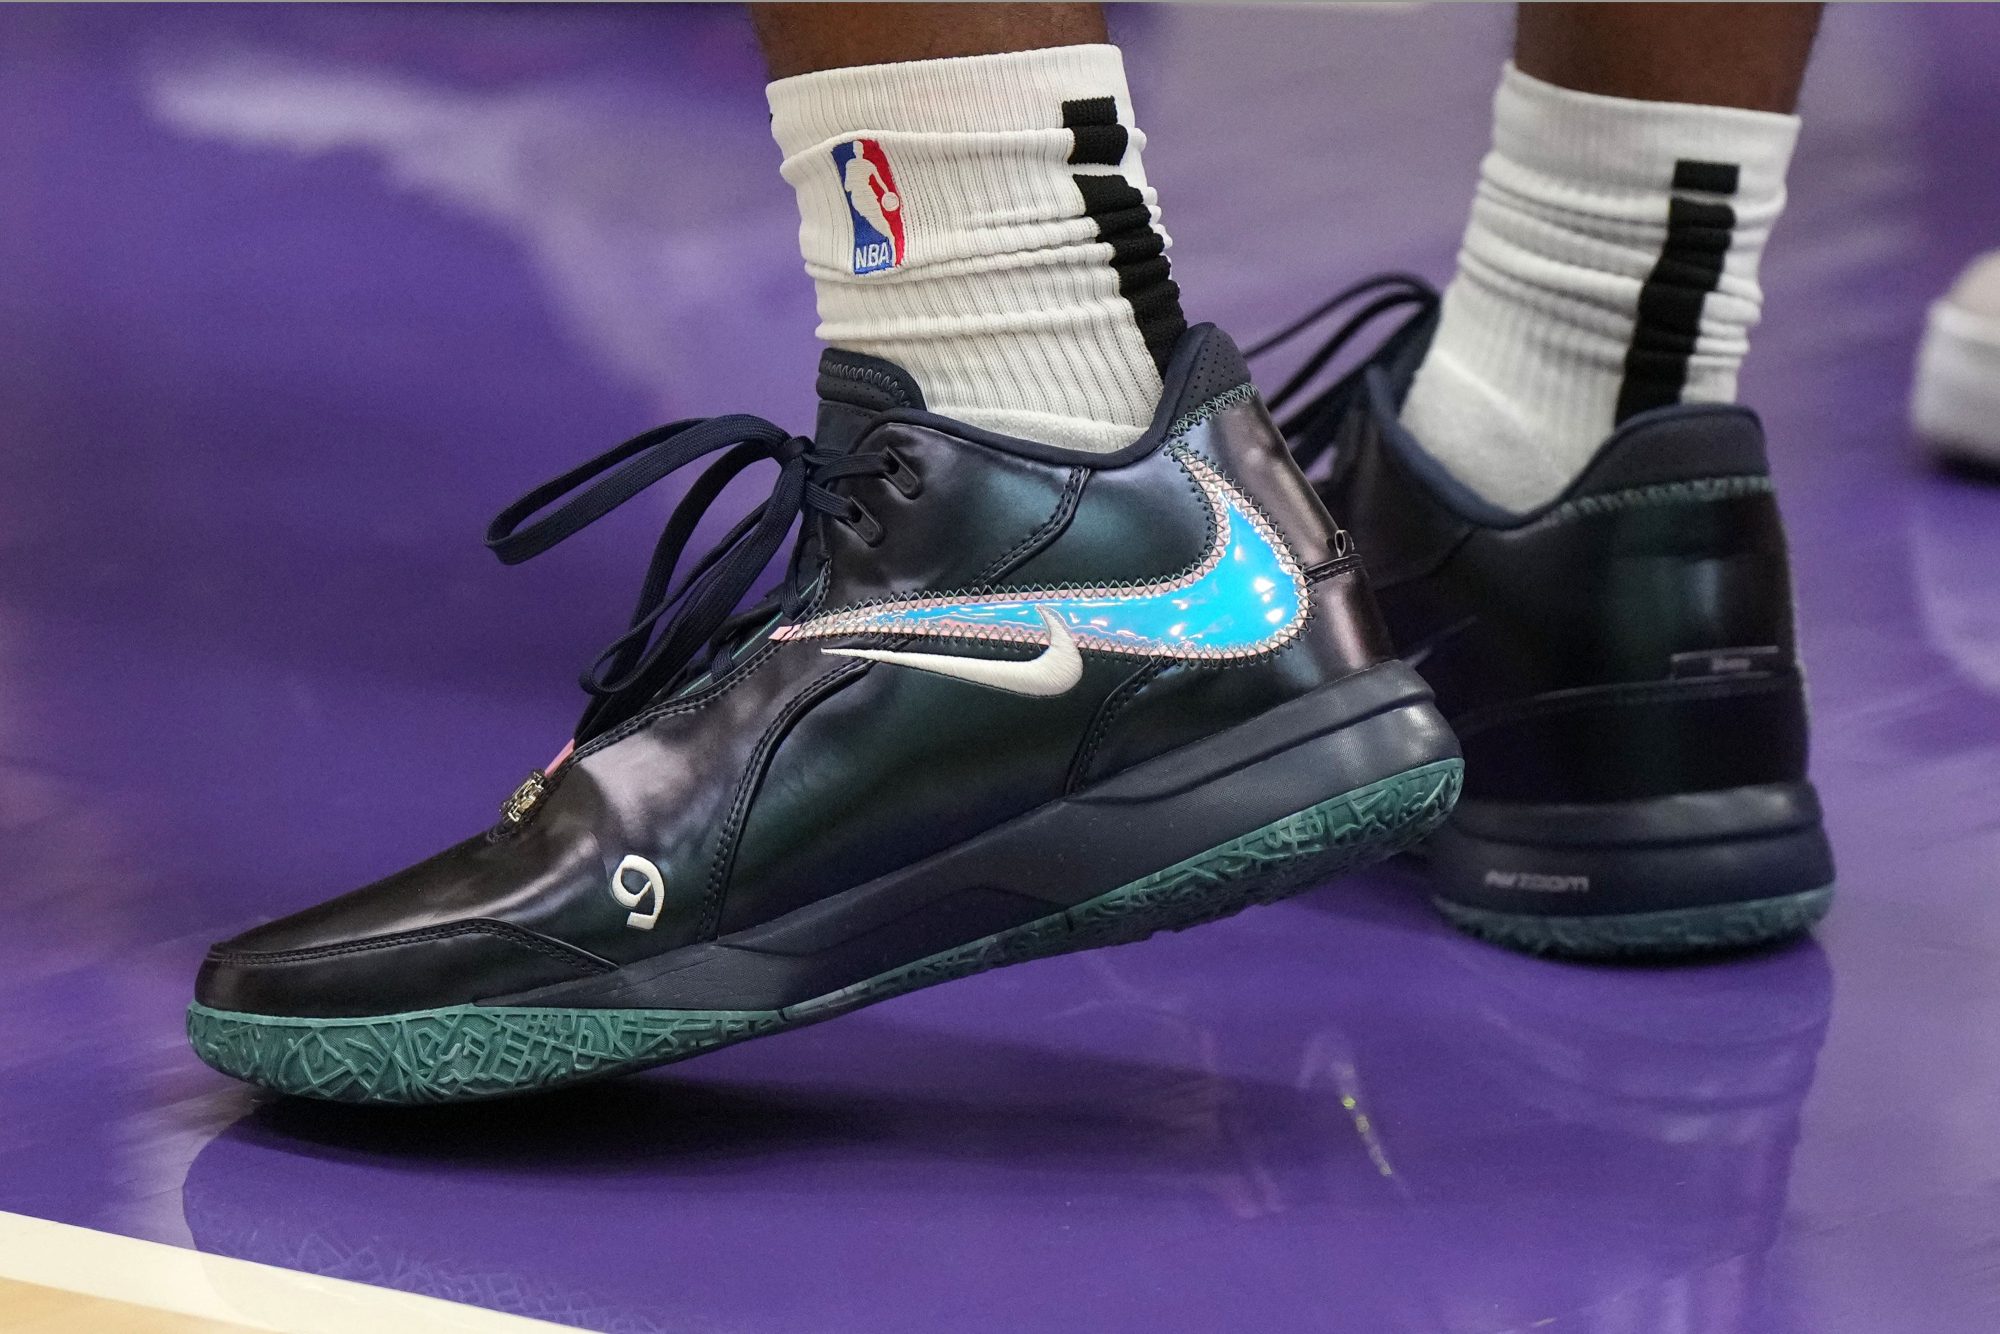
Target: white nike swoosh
1053, 671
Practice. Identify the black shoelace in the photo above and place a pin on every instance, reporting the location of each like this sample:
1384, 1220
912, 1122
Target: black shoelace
680, 631
1311, 424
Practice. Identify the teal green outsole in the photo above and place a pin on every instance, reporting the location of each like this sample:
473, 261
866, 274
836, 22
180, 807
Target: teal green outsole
1675, 933
476, 1051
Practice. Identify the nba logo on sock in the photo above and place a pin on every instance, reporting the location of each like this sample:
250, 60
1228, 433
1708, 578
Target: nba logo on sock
873, 203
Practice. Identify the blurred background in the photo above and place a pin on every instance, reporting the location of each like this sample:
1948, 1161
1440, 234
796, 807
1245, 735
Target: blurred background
293, 299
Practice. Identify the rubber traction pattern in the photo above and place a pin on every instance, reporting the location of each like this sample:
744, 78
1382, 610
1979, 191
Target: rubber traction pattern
1649, 935
474, 1051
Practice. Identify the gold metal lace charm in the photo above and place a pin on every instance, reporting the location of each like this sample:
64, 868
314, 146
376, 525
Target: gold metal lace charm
517, 808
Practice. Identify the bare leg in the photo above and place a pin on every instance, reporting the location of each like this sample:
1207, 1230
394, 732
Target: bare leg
1726, 55
800, 39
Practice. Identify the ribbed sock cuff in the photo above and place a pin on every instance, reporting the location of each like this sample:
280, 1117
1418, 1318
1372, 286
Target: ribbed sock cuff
1014, 90
1620, 143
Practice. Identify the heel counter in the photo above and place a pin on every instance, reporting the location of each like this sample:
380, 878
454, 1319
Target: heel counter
1682, 500
1646, 624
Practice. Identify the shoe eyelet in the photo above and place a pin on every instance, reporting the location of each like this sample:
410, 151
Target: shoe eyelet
902, 476
863, 523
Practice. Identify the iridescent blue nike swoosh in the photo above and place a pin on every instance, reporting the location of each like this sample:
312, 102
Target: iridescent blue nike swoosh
1245, 596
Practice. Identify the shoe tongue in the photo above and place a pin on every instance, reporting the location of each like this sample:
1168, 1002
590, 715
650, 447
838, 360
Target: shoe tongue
853, 390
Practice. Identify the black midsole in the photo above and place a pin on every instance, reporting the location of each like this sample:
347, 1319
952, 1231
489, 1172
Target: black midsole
1373, 725
1658, 854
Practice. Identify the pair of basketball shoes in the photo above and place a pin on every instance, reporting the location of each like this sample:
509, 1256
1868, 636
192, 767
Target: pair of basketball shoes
1009, 701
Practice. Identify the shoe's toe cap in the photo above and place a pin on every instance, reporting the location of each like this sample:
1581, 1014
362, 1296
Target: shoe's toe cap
452, 963
467, 925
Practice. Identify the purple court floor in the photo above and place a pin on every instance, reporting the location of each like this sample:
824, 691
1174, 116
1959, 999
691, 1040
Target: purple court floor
293, 299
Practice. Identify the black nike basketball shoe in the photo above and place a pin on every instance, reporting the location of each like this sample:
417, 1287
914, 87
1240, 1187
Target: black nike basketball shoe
1619, 664
1008, 701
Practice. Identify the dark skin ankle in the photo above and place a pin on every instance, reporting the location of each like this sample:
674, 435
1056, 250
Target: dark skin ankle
1731, 55
1725, 55
799, 39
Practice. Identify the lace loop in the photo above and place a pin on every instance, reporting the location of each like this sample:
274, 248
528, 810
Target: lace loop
678, 628
902, 476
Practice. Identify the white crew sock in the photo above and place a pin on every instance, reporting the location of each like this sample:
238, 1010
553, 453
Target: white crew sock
1587, 286
1020, 274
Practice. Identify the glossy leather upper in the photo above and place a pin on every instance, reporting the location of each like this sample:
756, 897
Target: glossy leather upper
1632, 638
800, 773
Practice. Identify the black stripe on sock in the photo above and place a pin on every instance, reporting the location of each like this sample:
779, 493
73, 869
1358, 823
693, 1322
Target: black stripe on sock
1139, 255
1689, 268
1100, 139
1715, 178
